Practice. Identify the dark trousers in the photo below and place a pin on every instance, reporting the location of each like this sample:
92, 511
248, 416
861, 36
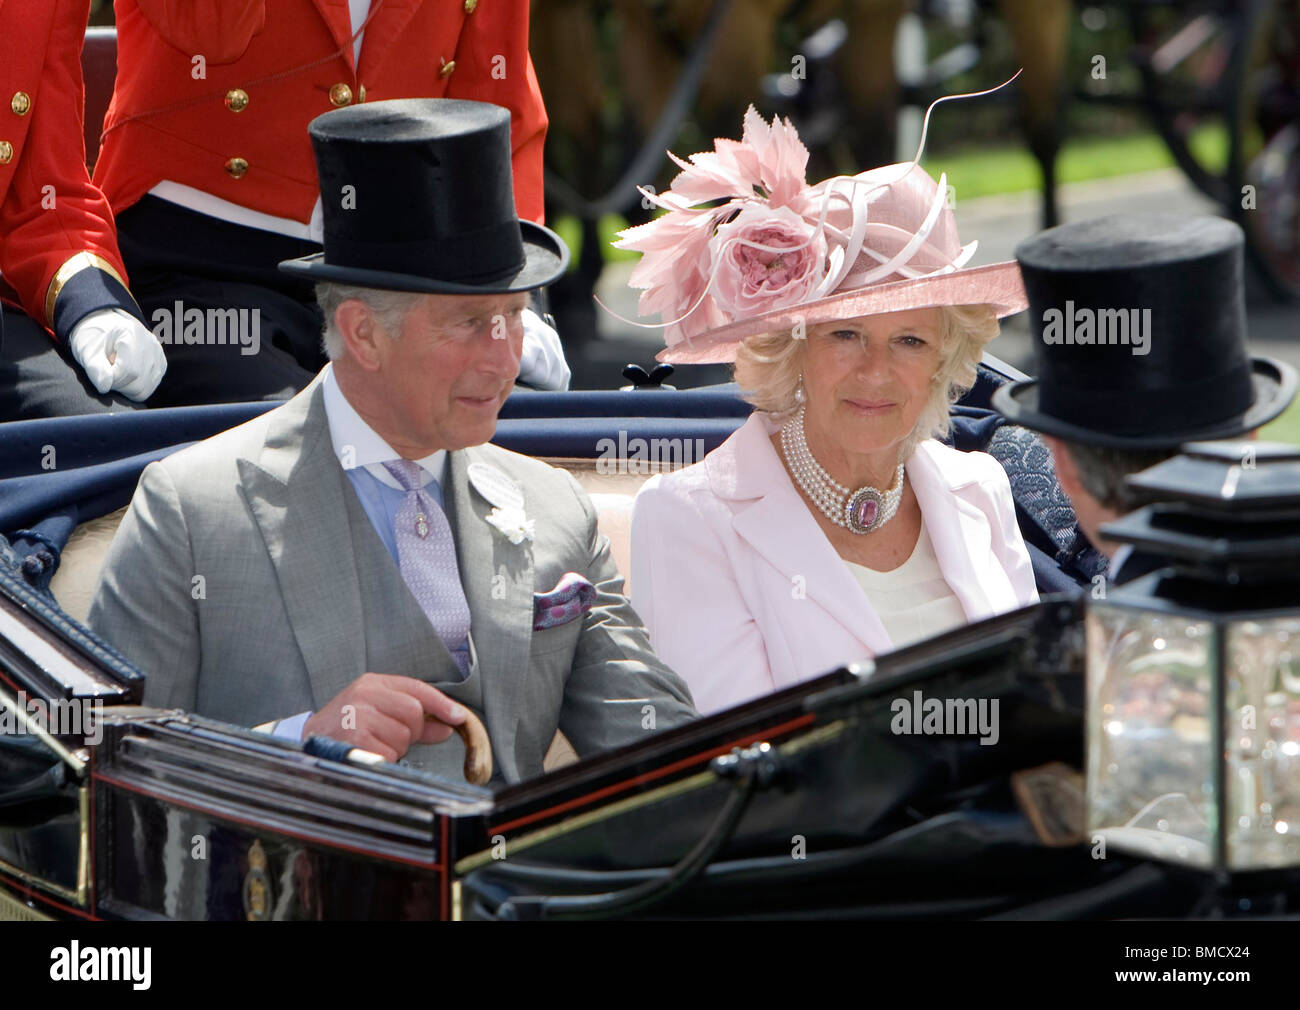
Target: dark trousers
183, 264
39, 378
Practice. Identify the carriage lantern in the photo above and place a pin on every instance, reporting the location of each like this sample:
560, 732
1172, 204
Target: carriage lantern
1193, 671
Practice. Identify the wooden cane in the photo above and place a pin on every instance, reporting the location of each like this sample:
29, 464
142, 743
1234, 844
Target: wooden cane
478, 750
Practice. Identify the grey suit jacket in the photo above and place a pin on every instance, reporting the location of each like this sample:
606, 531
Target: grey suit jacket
247, 583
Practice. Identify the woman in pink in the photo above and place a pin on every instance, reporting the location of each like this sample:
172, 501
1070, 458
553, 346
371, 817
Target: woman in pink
834, 525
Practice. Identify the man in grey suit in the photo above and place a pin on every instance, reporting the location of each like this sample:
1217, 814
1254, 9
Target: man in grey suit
359, 563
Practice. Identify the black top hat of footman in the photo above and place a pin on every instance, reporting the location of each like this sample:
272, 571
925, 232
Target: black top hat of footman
1139, 326
418, 195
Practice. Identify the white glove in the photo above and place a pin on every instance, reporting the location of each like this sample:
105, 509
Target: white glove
542, 363
118, 353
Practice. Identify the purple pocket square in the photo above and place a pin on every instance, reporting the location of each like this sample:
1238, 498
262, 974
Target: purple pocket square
571, 598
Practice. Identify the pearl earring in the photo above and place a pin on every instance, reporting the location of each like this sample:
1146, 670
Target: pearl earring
798, 391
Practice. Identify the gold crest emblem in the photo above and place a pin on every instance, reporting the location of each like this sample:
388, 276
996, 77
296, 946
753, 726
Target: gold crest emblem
257, 885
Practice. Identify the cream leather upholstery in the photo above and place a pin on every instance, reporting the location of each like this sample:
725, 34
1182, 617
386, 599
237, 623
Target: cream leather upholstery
610, 485
77, 576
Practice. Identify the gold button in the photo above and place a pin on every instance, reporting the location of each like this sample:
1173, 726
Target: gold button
236, 168
470, 5
361, 93
341, 95
6, 152
236, 99
20, 103
447, 68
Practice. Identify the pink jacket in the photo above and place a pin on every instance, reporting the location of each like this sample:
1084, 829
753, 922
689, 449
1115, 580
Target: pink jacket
743, 594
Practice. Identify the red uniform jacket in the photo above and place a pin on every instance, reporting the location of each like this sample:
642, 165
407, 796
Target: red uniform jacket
217, 94
50, 214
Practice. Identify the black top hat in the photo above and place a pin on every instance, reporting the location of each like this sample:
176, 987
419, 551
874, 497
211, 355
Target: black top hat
1140, 335
418, 196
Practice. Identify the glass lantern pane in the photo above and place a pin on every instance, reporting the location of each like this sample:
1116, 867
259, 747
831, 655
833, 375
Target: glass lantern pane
1151, 761
1262, 743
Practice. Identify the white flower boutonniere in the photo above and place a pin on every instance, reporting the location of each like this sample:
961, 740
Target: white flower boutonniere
512, 523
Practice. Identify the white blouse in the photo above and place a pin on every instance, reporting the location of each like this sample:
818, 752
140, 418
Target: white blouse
913, 601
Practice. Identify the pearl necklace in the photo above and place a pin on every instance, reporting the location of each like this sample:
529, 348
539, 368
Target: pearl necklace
862, 511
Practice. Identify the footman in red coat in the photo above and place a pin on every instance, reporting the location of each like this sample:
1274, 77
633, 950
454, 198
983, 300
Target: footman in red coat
206, 160
79, 335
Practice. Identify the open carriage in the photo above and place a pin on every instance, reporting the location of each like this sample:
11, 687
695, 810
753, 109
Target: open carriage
806, 803
802, 803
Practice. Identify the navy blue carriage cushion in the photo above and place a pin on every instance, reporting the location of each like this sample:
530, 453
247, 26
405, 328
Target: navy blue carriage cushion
16, 583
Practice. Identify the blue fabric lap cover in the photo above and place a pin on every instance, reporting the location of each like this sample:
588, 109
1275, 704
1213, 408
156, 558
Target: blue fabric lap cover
16, 585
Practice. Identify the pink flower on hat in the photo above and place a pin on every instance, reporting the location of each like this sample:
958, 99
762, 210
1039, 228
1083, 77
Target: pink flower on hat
765, 258
767, 161
762, 177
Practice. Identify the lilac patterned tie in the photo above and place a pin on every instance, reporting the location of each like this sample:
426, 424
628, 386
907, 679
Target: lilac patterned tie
426, 555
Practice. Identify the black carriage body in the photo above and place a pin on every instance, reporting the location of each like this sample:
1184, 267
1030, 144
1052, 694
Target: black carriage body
170, 816
176, 817
854, 817
196, 821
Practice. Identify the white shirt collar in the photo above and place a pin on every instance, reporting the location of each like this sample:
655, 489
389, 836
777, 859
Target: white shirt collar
356, 444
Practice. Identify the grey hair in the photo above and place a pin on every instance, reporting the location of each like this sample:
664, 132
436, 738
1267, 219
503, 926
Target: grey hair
768, 367
1102, 472
389, 307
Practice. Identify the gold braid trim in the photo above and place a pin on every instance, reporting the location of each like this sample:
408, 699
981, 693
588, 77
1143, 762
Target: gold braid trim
74, 265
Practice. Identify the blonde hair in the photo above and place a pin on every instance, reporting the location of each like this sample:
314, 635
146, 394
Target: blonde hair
768, 367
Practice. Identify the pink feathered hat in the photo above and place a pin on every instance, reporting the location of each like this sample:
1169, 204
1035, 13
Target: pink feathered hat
778, 253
